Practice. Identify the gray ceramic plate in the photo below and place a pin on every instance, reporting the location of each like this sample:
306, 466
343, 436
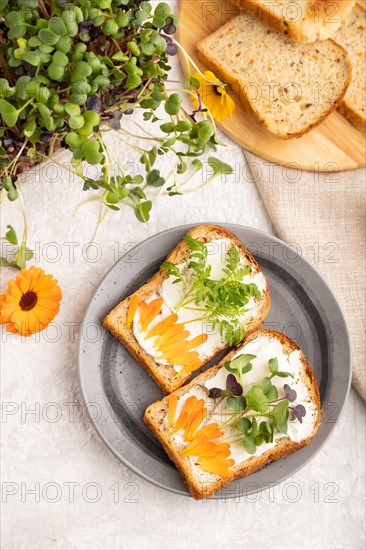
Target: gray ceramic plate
117, 390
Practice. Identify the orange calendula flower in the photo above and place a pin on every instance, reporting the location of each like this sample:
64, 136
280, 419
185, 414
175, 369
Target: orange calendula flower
211, 455
214, 96
30, 302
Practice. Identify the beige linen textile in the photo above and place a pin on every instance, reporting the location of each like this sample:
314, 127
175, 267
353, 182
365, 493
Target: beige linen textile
325, 215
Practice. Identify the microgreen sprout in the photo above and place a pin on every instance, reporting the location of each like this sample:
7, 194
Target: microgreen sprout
254, 413
70, 72
219, 302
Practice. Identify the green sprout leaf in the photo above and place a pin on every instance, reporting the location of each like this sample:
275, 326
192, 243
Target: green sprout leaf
142, 211
257, 400
8, 113
11, 235
280, 411
172, 106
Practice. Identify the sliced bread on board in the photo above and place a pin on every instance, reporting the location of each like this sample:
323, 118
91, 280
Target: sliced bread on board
352, 37
290, 87
303, 20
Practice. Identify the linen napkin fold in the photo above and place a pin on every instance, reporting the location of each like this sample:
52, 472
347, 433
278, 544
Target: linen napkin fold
325, 214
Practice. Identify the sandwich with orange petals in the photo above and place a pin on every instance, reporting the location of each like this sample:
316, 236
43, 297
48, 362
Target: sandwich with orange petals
259, 404
207, 296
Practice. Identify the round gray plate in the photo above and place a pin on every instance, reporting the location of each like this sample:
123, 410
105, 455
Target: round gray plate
117, 390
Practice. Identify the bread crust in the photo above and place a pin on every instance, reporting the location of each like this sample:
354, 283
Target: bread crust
307, 28
345, 107
116, 320
157, 411
228, 77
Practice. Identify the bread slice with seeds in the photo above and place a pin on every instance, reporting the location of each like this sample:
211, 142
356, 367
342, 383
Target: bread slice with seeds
303, 20
352, 37
165, 375
201, 483
290, 87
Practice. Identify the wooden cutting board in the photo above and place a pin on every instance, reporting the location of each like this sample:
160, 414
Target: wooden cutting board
333, 146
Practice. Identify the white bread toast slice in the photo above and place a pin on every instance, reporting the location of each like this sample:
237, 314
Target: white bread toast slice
352, 37
303, 20
290, 87
201, 483
116, 321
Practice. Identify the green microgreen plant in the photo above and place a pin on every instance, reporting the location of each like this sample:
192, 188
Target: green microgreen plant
257, 414
71, 72
220, 303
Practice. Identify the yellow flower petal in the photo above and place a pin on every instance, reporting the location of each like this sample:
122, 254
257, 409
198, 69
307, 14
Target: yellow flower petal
214, 97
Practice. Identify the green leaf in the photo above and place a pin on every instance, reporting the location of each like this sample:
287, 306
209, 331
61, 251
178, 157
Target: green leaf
244, 425
172, 105
120, 56
240, 364
265, 430
72, 109
114, 197
5, 89
249, 444
4, 262
162, 10
33, 58
257, 400
266, 384
193, 81
76, 122
55, 72
237, 404
23, 255
283, 427
91, 152
48, 37
254, 429
59, 58
219, 167
154, 179
57, 26
13, 19
11, 235
284, 374
142, 211
183, 126
92, 118
167, 127
272, 393
8, 113
273, 365
279, 412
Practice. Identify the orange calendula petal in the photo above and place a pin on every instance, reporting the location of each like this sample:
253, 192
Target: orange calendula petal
194, 424
210, 431
197, 341
144, 311
132, 308
196, 448
172, 331
154, 310
163, 325
172, 407
178, 358
175, 343
221, 470
189, 367
181, 422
